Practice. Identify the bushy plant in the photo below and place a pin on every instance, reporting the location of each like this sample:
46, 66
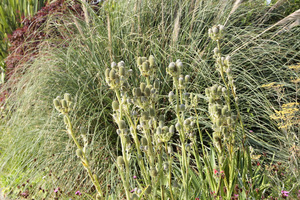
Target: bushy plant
172, 30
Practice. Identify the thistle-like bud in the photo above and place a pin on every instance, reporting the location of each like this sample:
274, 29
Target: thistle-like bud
145, 116
172, 67
64, 103
147, 91
142, 86
225, 110
179, 64
187, 122
187, 78
158, 130
121, 71
215, 29
171, 96
112, 74
122, 124
157, 84
115, 105
121, 64
139, 61
138, 92
144, 141
145, 66
219, 122
120, 161
153, 172
144, 59
172, 129
222, 28
152, 112
113, 65
182, 107
68, 97
181, 81
79, 153
57, 104
152, 60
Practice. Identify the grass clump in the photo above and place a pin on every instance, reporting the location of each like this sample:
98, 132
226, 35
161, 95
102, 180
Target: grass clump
174, 29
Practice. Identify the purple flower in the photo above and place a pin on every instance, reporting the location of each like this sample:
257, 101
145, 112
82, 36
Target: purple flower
285, 193
251, 131
56, 190
134, 177
78, 193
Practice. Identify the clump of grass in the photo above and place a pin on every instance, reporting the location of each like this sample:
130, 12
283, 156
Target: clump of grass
78, 68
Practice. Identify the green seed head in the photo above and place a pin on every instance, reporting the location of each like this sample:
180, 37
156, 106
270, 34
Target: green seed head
152, 112
145, 116
177, 126
138, 92
215, 29
145, 66
68, 97
121, 64
139, 61
152, 61
112, 74
142, 86
144, 141
153, 172
122, 124
158, 130
79, 153
64, 103
147, 92
113, 65
187, 78
182, 107
115, 105
57, 104
120, 161
121, 71
157, 84
172, 67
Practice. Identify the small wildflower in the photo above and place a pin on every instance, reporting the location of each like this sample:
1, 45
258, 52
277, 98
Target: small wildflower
258, 163
78, 193
215, 171
56, 190
250, 131
134, 177
285, 193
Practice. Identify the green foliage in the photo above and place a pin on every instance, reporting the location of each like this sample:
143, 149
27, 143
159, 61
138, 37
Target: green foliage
169, 30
